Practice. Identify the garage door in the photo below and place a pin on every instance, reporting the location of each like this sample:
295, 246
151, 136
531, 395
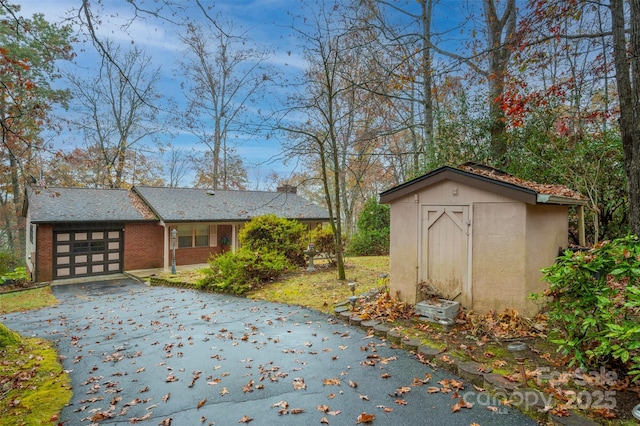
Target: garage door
80, 253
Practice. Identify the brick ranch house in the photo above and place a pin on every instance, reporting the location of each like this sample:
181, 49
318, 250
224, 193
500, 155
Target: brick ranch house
77, 232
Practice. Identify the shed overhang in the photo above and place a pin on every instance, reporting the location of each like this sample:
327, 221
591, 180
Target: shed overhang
510, 190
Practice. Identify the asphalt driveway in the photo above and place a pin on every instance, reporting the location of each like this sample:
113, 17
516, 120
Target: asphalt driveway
154, 355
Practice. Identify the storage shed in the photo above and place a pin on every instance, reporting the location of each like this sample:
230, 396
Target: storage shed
476, 235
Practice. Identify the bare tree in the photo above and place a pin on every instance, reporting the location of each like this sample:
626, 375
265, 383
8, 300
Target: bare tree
408, 65
225, 80
332, 120
177, 167
116, 112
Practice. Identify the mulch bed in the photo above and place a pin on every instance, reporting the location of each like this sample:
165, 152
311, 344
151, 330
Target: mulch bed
13, 287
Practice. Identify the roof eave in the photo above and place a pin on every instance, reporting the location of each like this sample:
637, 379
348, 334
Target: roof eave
554, 199
519, 193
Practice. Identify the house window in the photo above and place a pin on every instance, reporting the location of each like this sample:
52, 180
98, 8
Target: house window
193, 235
185, 236
201, 235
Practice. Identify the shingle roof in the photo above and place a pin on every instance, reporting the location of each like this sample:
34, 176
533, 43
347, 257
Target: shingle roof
55, 205
490, 179
193, 205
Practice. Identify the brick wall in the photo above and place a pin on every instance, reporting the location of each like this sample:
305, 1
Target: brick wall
194, 255
44, 254
143, 246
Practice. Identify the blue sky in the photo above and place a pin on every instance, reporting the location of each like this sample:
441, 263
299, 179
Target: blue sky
266, 22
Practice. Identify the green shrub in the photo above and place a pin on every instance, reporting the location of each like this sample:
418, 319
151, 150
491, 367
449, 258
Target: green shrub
19, 276
370, 243
243, 270
270, 233
324, 241
8, 262
372, 238
594, 305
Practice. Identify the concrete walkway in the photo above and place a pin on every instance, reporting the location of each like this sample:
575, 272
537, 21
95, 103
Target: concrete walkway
171, 356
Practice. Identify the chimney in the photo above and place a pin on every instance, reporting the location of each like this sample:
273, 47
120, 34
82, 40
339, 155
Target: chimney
289, 189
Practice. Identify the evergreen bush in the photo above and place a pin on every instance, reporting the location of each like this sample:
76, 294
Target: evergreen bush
594, 305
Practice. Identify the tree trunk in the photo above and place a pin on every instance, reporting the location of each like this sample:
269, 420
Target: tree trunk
499, 51
627, 65
426, 10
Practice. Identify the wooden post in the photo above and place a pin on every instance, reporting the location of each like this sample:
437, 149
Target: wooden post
581, 235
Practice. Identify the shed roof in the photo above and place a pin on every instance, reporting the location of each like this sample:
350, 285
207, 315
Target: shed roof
201, 205
56, 205
492, 180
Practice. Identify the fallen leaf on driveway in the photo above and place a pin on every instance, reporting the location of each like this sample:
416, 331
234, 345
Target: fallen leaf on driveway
281, 404
366, 418
401, 402
245, 419
460, 404
334, 381
224, 391
140, 419
201, 403
402, 390
324, 421
298, 384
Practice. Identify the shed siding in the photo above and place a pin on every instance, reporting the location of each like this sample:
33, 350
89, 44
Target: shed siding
547, 234
499, 233
402, 252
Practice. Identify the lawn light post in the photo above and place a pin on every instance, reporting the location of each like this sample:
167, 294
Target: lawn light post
311, 252
353, 298
636, 412
174, 234
519, 351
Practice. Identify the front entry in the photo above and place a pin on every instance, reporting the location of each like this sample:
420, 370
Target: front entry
445, 251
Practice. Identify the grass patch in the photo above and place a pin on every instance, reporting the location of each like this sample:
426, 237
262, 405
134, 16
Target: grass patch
27, 300
33, 386
321, 290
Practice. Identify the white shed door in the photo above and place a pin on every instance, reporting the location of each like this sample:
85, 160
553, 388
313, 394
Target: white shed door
444, 258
